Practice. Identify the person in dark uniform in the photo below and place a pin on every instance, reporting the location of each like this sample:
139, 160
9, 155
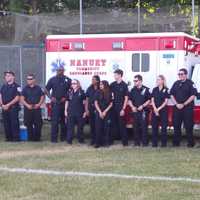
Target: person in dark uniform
32, 98
9, 101
59, 85
139, 99
75, 112
120, 91
159, 100
90, 94
103, 104
183, 93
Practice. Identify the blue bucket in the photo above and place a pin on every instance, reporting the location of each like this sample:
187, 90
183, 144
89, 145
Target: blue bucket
23, 133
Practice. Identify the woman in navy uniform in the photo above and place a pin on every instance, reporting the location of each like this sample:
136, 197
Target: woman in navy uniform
183, 93
139, 99
159, 99
103, 104
90, 94
9, 101
32, 98
75, 111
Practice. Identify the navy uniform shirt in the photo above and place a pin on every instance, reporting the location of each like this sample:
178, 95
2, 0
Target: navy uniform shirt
90, 93
160, 95
103, 101
32, 95
9, 92
76, 99
183, 90
120, 90
59, 86
139, 96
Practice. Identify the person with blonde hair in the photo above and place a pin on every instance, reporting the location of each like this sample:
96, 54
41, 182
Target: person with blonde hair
75, 111
159, 99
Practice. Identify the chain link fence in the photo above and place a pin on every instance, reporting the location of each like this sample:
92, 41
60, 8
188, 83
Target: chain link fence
22, 60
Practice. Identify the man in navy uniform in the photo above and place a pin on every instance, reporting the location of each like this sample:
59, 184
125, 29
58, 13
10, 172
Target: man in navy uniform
120, 99
9, 101
183, 93
32, 98
139, 99
56, 89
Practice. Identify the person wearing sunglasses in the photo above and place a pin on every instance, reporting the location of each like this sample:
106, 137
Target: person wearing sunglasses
56, 89
139, 99
159, 100
32, 98
9, 101
103, 105
183, 93
75, 111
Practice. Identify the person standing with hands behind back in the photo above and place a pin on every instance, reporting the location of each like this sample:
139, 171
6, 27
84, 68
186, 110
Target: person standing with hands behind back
103, 104
159, 99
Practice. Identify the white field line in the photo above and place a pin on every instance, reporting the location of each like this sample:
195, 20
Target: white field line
91, 174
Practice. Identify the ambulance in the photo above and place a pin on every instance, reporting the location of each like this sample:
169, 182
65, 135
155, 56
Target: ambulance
148, 54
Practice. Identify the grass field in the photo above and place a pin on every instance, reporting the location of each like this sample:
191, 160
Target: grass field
169, 162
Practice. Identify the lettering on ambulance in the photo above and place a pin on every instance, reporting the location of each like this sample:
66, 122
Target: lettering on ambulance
88, 67
88, 62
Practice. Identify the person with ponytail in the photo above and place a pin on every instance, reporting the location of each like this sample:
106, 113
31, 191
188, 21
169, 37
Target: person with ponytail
159, 100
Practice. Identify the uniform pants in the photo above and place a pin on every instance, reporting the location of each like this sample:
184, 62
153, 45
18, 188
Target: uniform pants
92, 126
140, 128
11, 124
183, 116
119, 126
33, 121
72, 120
162, 119
103, 129
58, 117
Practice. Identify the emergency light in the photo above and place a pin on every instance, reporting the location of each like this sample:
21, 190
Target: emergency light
170, 44
79, 46
118, 45
66, 46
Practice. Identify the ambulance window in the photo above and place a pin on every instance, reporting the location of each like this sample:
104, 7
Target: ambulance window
145, 62
136, 62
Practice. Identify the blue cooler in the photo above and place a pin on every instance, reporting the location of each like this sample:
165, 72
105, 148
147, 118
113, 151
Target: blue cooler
23, 133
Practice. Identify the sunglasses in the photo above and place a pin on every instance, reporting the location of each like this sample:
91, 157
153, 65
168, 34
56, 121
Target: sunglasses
135, 81
181, 74
74, 83
29, 79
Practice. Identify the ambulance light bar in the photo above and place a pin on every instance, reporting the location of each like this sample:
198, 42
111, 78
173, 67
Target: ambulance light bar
66, 46
79, 46
118, 45
170, 44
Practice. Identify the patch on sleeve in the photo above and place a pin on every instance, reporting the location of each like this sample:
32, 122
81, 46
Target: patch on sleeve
19, 89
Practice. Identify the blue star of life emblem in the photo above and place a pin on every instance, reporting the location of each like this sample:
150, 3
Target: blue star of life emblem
57, 64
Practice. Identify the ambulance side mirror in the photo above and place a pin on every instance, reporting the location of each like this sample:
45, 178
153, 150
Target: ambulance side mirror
195, 79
